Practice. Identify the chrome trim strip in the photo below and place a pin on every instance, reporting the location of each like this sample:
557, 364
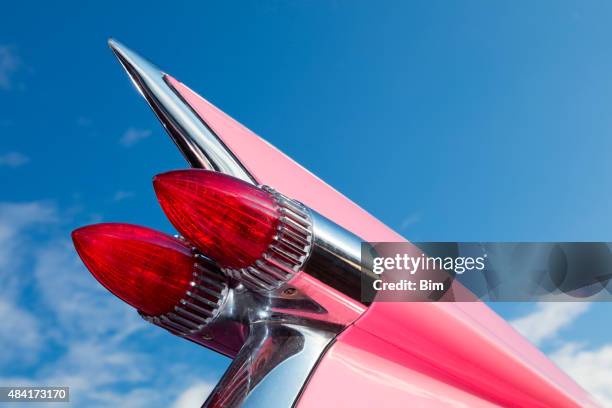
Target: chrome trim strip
196, 141
336, 258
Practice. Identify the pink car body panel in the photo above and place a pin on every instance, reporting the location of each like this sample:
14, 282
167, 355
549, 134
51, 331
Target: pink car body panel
454, 350
363, 370
425, 354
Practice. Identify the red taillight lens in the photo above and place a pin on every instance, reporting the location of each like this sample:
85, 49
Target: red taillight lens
149, 270
232, 221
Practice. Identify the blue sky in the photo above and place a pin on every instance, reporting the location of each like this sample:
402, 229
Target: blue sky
447, 120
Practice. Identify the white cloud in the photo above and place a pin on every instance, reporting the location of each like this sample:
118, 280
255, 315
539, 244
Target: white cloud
13, 159
194, 396
19, 334
548, 319
9, 64
84, 121
133, 398
133, 136
100, 374
89, 355
93, 366
16, 219
410, 220
74, 295
122, 195
590, 368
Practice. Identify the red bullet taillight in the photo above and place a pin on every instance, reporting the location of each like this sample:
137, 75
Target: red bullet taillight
145, 268
250, 231
233, 221
156, 273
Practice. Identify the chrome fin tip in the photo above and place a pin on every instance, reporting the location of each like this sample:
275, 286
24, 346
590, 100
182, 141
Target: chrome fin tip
200, 146
138, 68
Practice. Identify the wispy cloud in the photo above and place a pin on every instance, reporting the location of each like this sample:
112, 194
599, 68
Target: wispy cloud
590, 368
548, 319
16, 220
13, 159
122, 195
25, 345
73, 295
132, 136
9, 64
83, 121
194, 396
92, 367
410, 220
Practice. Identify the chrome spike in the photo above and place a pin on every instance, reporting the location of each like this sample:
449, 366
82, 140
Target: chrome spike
196, 141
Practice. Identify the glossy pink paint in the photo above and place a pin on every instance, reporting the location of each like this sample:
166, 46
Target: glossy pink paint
362, 370
443, 354
454, 350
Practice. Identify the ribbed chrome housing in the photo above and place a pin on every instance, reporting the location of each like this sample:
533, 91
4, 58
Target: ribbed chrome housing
288, 251
201, 302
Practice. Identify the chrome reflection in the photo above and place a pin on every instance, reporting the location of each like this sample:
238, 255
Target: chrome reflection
198, 143
280, 352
